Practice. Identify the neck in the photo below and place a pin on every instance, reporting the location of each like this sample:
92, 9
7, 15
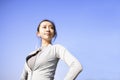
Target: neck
45, 43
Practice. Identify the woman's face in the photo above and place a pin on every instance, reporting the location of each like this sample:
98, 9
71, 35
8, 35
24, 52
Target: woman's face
46, 31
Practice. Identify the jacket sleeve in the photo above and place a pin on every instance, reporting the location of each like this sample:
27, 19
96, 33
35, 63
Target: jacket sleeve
74, 65
24, 74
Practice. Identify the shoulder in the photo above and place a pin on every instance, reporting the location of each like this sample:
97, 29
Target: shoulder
58, 47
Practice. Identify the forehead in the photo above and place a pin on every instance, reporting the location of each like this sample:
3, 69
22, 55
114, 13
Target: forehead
46, 23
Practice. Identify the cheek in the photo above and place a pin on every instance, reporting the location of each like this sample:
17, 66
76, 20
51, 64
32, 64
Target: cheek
41, 31
53, 32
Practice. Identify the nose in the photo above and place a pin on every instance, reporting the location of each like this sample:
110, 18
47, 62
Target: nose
48, 29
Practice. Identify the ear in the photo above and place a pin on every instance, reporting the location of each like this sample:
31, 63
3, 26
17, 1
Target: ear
38, 34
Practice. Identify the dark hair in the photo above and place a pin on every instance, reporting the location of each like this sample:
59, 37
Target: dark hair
54, 27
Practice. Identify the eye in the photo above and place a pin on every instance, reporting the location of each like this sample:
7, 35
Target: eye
51, 27
44, 27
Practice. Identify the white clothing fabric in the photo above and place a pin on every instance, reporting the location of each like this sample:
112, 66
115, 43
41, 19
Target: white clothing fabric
46, 63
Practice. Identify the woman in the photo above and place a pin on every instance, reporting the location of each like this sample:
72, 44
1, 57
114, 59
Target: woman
41, 63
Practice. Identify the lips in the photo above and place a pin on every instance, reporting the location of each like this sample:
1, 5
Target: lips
48, 34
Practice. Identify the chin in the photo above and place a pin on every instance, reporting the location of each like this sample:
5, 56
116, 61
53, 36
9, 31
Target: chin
48, 39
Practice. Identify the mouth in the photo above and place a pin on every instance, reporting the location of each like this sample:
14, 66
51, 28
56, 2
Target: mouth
48, 34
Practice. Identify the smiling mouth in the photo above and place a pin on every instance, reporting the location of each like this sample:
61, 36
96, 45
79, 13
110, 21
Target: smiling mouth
48, 34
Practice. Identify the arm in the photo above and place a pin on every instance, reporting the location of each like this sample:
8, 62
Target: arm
71, 61
24, 74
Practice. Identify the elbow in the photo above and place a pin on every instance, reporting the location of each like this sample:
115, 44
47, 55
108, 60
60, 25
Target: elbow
77, 66
80, 68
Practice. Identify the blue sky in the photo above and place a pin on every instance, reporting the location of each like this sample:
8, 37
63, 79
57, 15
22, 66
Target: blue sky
89, 29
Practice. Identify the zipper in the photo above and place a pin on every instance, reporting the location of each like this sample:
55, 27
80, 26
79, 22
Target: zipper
34, 63
31, 75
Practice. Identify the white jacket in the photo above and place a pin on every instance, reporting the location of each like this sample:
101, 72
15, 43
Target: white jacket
46, 62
